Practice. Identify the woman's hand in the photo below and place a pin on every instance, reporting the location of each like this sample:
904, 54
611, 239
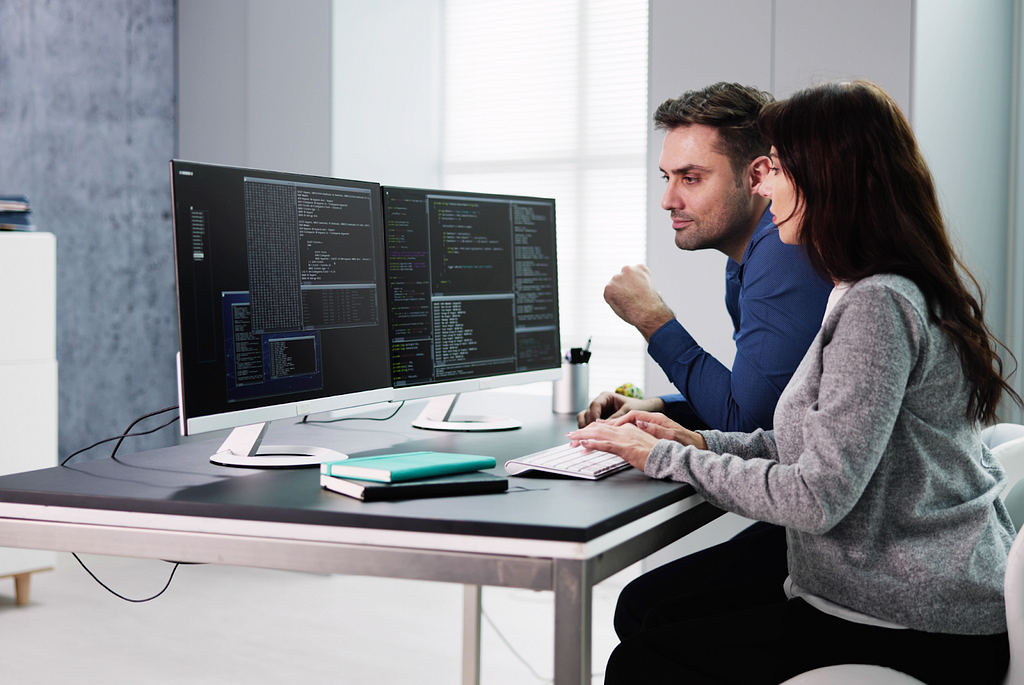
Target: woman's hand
634, 435
626, 440
662, 428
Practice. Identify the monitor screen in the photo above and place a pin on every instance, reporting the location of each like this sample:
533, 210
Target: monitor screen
472, 289
282, 306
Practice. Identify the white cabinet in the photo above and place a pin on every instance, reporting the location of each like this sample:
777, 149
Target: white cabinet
28, 375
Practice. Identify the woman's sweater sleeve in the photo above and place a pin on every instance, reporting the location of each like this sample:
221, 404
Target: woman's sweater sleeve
839, 412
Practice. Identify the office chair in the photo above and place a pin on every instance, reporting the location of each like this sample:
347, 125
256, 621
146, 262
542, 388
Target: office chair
1006, 440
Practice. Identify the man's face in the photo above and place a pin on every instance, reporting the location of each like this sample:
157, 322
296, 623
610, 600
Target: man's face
710, 207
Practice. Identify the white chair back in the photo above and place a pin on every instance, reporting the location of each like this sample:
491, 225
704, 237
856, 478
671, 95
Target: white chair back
1013, 589
1006, 440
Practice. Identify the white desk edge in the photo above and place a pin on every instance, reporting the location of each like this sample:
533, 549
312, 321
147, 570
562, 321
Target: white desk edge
377, 537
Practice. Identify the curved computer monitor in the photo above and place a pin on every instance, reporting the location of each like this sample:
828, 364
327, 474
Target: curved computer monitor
282, 307
472, 288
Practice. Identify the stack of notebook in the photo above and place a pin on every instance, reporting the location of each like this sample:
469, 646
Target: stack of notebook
411, 475
15, 213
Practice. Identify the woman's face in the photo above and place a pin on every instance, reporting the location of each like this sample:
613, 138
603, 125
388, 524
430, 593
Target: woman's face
778, 187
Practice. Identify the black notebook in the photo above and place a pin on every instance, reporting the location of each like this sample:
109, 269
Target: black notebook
475, 483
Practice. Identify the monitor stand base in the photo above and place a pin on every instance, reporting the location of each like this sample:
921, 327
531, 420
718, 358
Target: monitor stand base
244, 448
437, 416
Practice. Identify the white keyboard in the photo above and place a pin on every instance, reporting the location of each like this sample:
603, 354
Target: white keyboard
568, 461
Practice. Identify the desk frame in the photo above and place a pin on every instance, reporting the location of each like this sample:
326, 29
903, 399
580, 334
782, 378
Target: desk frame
568, 569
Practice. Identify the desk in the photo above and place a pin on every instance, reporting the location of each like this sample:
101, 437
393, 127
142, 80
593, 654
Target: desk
563, 535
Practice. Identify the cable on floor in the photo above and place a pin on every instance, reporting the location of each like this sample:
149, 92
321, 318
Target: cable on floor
517, 654
513, 649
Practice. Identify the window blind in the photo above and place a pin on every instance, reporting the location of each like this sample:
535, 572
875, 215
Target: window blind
549, 98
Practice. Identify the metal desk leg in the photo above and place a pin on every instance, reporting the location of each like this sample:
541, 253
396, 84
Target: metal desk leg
471, 606
573, 615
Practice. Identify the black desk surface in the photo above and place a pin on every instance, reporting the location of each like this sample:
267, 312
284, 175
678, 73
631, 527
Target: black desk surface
181, 480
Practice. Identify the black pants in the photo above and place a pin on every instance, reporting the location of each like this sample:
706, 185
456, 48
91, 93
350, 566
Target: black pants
738, 627
758, 552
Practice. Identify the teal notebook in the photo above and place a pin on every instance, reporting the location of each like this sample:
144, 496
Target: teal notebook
394, 468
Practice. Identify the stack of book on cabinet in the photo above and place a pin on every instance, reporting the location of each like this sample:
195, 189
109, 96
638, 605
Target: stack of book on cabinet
15, 213
411, 475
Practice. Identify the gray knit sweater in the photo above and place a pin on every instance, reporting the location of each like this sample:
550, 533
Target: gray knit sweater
889, 498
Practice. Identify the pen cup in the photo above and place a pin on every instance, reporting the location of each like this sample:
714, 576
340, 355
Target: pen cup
572, 391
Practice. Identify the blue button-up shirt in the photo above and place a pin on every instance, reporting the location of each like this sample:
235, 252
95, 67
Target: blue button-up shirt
776, 301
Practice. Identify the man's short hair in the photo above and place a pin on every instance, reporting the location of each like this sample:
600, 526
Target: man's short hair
729, 107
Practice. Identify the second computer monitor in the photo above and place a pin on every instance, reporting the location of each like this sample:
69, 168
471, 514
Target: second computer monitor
472, 287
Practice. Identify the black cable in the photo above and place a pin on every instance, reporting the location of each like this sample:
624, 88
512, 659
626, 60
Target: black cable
519, 656
128, 599
127, 430
120, 438
305, 419
126, 434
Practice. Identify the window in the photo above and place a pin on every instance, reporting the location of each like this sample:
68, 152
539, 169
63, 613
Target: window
549, 98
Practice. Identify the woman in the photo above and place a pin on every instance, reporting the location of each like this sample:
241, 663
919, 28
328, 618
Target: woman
897, 538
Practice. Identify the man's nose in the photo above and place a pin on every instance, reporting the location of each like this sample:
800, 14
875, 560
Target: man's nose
670, 199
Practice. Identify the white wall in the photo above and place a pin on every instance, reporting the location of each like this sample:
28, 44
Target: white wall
254, 83
387, 91
332, 87
962, 117
1015, 253
962, 121
828, 40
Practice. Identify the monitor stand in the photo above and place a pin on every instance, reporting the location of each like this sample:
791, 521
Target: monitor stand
244, 448
437, 415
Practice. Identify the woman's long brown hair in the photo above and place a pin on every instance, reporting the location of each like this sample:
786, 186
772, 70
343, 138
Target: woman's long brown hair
869, 207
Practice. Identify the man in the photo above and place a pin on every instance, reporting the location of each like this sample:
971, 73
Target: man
714, 160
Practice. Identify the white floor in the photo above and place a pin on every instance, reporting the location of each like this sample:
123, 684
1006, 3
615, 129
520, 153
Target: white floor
228, 625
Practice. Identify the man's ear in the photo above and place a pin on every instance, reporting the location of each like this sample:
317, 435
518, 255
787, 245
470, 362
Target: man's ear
757, 172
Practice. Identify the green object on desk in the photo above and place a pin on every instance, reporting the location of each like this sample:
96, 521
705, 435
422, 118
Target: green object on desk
630, 390
394, 468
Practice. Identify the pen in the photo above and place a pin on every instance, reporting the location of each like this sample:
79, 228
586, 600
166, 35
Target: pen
580, 355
